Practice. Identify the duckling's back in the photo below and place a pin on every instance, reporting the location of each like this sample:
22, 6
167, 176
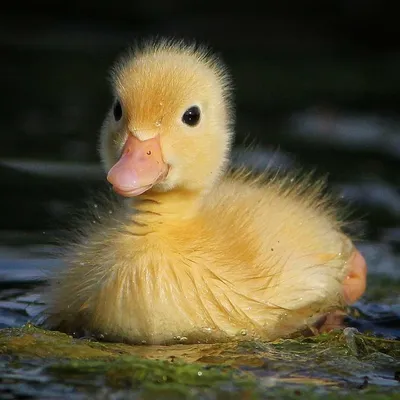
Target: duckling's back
292, 251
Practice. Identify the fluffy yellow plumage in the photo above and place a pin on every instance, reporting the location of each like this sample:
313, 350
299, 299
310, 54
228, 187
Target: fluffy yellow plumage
199, 253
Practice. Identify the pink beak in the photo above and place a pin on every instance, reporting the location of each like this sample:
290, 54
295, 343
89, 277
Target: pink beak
140, 167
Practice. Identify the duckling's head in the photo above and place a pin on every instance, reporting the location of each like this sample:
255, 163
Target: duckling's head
170, 125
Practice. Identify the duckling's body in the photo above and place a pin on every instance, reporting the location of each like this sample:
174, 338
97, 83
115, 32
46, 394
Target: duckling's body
206, 271
198, 256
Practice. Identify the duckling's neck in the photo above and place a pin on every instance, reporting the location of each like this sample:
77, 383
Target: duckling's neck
155, 207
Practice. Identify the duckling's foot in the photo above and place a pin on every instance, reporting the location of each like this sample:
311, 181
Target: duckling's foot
355, 283
329, 322
354, 286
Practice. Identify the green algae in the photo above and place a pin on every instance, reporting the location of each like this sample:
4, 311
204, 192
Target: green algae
32, 341
35, 342
340, 364
133, 372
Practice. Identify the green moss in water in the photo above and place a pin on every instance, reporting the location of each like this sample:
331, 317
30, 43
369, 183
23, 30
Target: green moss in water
35, 342
133, 372
327, 366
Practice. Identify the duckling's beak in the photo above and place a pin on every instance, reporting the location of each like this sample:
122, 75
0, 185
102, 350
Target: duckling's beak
140, 167
355, 283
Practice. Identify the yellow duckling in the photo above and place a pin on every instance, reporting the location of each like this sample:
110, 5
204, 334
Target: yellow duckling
194, 252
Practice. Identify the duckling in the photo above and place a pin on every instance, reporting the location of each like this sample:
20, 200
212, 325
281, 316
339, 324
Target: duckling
193, 251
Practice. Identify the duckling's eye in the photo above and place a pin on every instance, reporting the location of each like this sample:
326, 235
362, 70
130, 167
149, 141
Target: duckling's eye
117, 111
191, 116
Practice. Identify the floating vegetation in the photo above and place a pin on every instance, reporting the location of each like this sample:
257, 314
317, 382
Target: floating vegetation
342, 363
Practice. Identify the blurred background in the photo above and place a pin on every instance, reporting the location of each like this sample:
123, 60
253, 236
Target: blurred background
316, 83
